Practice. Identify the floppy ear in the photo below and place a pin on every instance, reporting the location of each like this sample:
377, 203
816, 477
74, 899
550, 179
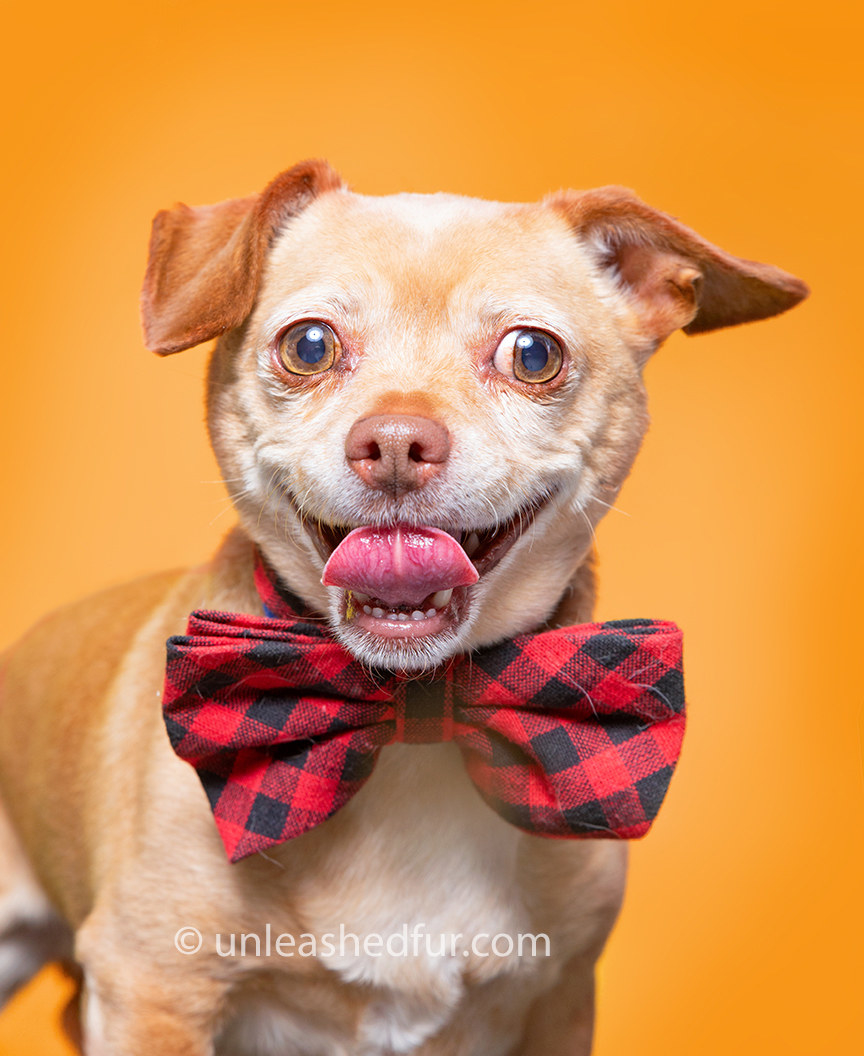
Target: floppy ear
675, 278
205, 263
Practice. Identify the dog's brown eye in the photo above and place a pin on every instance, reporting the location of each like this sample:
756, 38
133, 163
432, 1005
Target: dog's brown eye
309, 347
529, 355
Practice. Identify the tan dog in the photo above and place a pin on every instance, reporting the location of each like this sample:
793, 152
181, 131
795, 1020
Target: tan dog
421, 360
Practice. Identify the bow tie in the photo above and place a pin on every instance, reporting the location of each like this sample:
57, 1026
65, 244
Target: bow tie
572, 732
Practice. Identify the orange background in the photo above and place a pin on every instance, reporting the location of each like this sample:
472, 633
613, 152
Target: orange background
742, 929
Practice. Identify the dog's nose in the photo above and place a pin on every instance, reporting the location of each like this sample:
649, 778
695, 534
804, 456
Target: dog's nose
397, 452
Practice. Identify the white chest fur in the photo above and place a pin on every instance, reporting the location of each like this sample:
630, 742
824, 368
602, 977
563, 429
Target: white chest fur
416, 901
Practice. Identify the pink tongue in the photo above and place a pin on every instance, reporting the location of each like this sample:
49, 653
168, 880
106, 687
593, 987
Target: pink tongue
397, 564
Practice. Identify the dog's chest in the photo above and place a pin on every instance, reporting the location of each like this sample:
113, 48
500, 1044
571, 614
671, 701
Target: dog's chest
414, 903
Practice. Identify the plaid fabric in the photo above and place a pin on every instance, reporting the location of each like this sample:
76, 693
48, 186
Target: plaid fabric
566, 733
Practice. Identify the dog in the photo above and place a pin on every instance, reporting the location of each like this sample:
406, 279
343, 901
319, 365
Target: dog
463, 370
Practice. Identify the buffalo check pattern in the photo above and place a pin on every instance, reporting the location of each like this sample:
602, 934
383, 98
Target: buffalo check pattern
572, 732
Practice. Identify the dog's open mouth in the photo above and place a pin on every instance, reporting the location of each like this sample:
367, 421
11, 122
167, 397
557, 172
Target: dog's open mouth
402, 581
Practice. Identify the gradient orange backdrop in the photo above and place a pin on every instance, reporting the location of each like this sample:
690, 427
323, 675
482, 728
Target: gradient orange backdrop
742, 929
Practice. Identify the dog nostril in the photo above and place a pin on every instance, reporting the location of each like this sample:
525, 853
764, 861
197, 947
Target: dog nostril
397, 453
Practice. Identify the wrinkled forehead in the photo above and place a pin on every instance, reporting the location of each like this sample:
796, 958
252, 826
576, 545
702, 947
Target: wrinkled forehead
424, 254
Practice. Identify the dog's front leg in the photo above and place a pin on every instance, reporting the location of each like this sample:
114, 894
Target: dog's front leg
134, 1004
561, 1022
130, 1016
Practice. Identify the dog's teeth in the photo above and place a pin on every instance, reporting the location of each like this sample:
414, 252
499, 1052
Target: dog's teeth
418, 615
367, 609
442, 598
471, 543
431, 612
377, 613
361, 599
402, 617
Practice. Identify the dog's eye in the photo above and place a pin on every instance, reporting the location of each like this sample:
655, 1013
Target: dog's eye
529, 355
309, 347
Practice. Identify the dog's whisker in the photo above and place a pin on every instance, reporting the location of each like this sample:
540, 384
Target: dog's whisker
609, 505
228, 508
587, 520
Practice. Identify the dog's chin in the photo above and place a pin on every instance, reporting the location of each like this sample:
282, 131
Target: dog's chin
398, 640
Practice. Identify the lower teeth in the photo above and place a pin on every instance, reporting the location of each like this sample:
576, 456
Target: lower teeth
439, 600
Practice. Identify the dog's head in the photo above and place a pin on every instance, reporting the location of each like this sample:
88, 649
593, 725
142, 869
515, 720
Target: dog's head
431, 400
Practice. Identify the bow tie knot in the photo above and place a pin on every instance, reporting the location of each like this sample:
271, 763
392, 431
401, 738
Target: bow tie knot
423, 712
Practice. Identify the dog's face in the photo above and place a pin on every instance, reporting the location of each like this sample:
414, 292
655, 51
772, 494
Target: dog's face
419, 408
432, 400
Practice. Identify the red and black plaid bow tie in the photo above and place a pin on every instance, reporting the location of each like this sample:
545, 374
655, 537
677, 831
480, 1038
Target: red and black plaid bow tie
570, 733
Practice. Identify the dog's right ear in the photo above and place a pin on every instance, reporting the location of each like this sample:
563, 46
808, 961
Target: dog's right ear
205, 264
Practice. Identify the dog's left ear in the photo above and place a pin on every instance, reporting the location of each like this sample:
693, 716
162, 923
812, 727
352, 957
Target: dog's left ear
205, 264
672, 277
